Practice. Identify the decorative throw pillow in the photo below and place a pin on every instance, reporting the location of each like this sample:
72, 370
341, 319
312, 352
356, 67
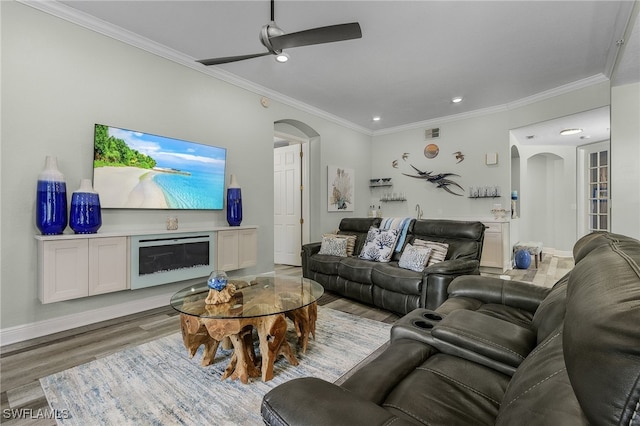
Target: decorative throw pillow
414, 258
334, 246
379, 244
438, 250
351, 241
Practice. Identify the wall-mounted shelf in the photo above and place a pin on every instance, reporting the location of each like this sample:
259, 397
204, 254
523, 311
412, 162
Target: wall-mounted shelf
487, 196
379, 182
393, 200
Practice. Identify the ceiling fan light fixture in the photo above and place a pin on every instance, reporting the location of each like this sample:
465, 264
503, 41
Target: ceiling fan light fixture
282, 57
456, 99
568, 132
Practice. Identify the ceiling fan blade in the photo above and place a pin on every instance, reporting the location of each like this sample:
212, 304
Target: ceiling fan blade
318, 35
227, 59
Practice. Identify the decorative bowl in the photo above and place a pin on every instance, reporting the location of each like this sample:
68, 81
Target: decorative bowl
217, 280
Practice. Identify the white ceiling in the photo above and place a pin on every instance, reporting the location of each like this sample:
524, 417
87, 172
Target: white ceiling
414, 56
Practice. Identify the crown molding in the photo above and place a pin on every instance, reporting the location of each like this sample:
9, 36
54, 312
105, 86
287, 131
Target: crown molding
585, 82
62, 11
85, 20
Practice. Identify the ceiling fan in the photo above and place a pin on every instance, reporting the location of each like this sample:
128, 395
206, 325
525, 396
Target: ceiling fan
275, 40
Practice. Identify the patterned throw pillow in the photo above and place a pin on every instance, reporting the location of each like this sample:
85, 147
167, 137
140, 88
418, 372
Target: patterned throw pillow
379, 244
414, 258
438, 250
334, 246
351, 241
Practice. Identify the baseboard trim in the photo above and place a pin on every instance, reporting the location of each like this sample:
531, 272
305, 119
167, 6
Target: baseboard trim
34, 330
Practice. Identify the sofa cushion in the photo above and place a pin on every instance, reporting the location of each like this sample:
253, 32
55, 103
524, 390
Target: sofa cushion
447, 390
438, 250
355, 269
351, 241
414, 258
334, 246
380, 244
389, 277
464, 238
550, 313
540, 390
357, 227
324, 263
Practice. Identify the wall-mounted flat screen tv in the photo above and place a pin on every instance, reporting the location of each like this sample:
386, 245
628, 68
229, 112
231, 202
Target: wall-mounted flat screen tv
135, 170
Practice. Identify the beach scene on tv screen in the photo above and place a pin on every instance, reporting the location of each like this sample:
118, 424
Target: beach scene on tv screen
143, 171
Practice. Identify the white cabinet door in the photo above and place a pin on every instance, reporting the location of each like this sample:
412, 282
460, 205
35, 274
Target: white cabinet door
495, 250
247, 248
236, 249
108, 268
227, 250
63, 271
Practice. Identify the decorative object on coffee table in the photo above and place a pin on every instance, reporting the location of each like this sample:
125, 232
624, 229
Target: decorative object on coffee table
85, 216
220, 291
51, 199
234, 203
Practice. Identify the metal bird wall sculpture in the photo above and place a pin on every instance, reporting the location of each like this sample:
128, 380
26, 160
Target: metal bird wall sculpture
440, 180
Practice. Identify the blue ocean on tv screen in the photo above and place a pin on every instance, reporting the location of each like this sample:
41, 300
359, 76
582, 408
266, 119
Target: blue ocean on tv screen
200, 190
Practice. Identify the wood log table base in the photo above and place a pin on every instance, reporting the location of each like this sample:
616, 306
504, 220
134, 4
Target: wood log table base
271, 329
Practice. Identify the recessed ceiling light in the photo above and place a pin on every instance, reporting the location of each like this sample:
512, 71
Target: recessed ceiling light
567, 132
376, 118
456, 100
282, 57
530, 136
585, 137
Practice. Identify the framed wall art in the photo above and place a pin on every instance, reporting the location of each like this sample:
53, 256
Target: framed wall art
340, 189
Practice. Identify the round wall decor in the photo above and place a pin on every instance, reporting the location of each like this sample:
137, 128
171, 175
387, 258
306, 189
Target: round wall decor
431, 150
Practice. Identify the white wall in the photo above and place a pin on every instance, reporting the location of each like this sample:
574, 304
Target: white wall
58, 79
476, 136
625, 157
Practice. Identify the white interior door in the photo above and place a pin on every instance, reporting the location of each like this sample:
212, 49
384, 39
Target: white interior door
593, 184
287, 204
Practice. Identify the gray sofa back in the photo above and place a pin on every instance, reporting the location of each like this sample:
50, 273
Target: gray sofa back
359, 227
465, 242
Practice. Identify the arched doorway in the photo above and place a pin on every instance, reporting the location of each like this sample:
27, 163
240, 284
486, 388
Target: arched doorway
293, 141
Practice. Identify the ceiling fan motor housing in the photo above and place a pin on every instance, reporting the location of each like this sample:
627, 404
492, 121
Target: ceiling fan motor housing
268, 31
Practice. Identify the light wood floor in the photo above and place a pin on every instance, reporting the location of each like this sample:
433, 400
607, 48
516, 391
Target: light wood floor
23, 364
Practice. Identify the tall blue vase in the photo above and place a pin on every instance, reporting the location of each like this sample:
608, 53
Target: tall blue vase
51, 199
234, 203
86, 215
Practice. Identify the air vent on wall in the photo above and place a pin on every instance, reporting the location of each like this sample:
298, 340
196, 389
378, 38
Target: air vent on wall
432, 133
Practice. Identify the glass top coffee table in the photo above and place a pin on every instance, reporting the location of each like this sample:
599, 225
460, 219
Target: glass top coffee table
261, 302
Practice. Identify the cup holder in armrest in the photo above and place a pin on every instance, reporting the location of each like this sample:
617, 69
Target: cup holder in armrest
432, 316
417, 325
422, 324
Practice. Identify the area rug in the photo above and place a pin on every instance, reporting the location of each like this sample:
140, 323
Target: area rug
157, 384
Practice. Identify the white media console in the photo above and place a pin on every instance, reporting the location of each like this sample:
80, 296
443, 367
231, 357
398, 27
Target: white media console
71, 266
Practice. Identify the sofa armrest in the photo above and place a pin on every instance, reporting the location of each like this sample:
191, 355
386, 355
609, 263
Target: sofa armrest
311, 401
516, 294
437, 277
484, 339
308, 250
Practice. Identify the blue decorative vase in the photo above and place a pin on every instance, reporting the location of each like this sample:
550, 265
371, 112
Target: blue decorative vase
217, 280
86, 215
234, 203
522, 259
51, 199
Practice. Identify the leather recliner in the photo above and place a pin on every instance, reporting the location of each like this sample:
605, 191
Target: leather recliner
499, 353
